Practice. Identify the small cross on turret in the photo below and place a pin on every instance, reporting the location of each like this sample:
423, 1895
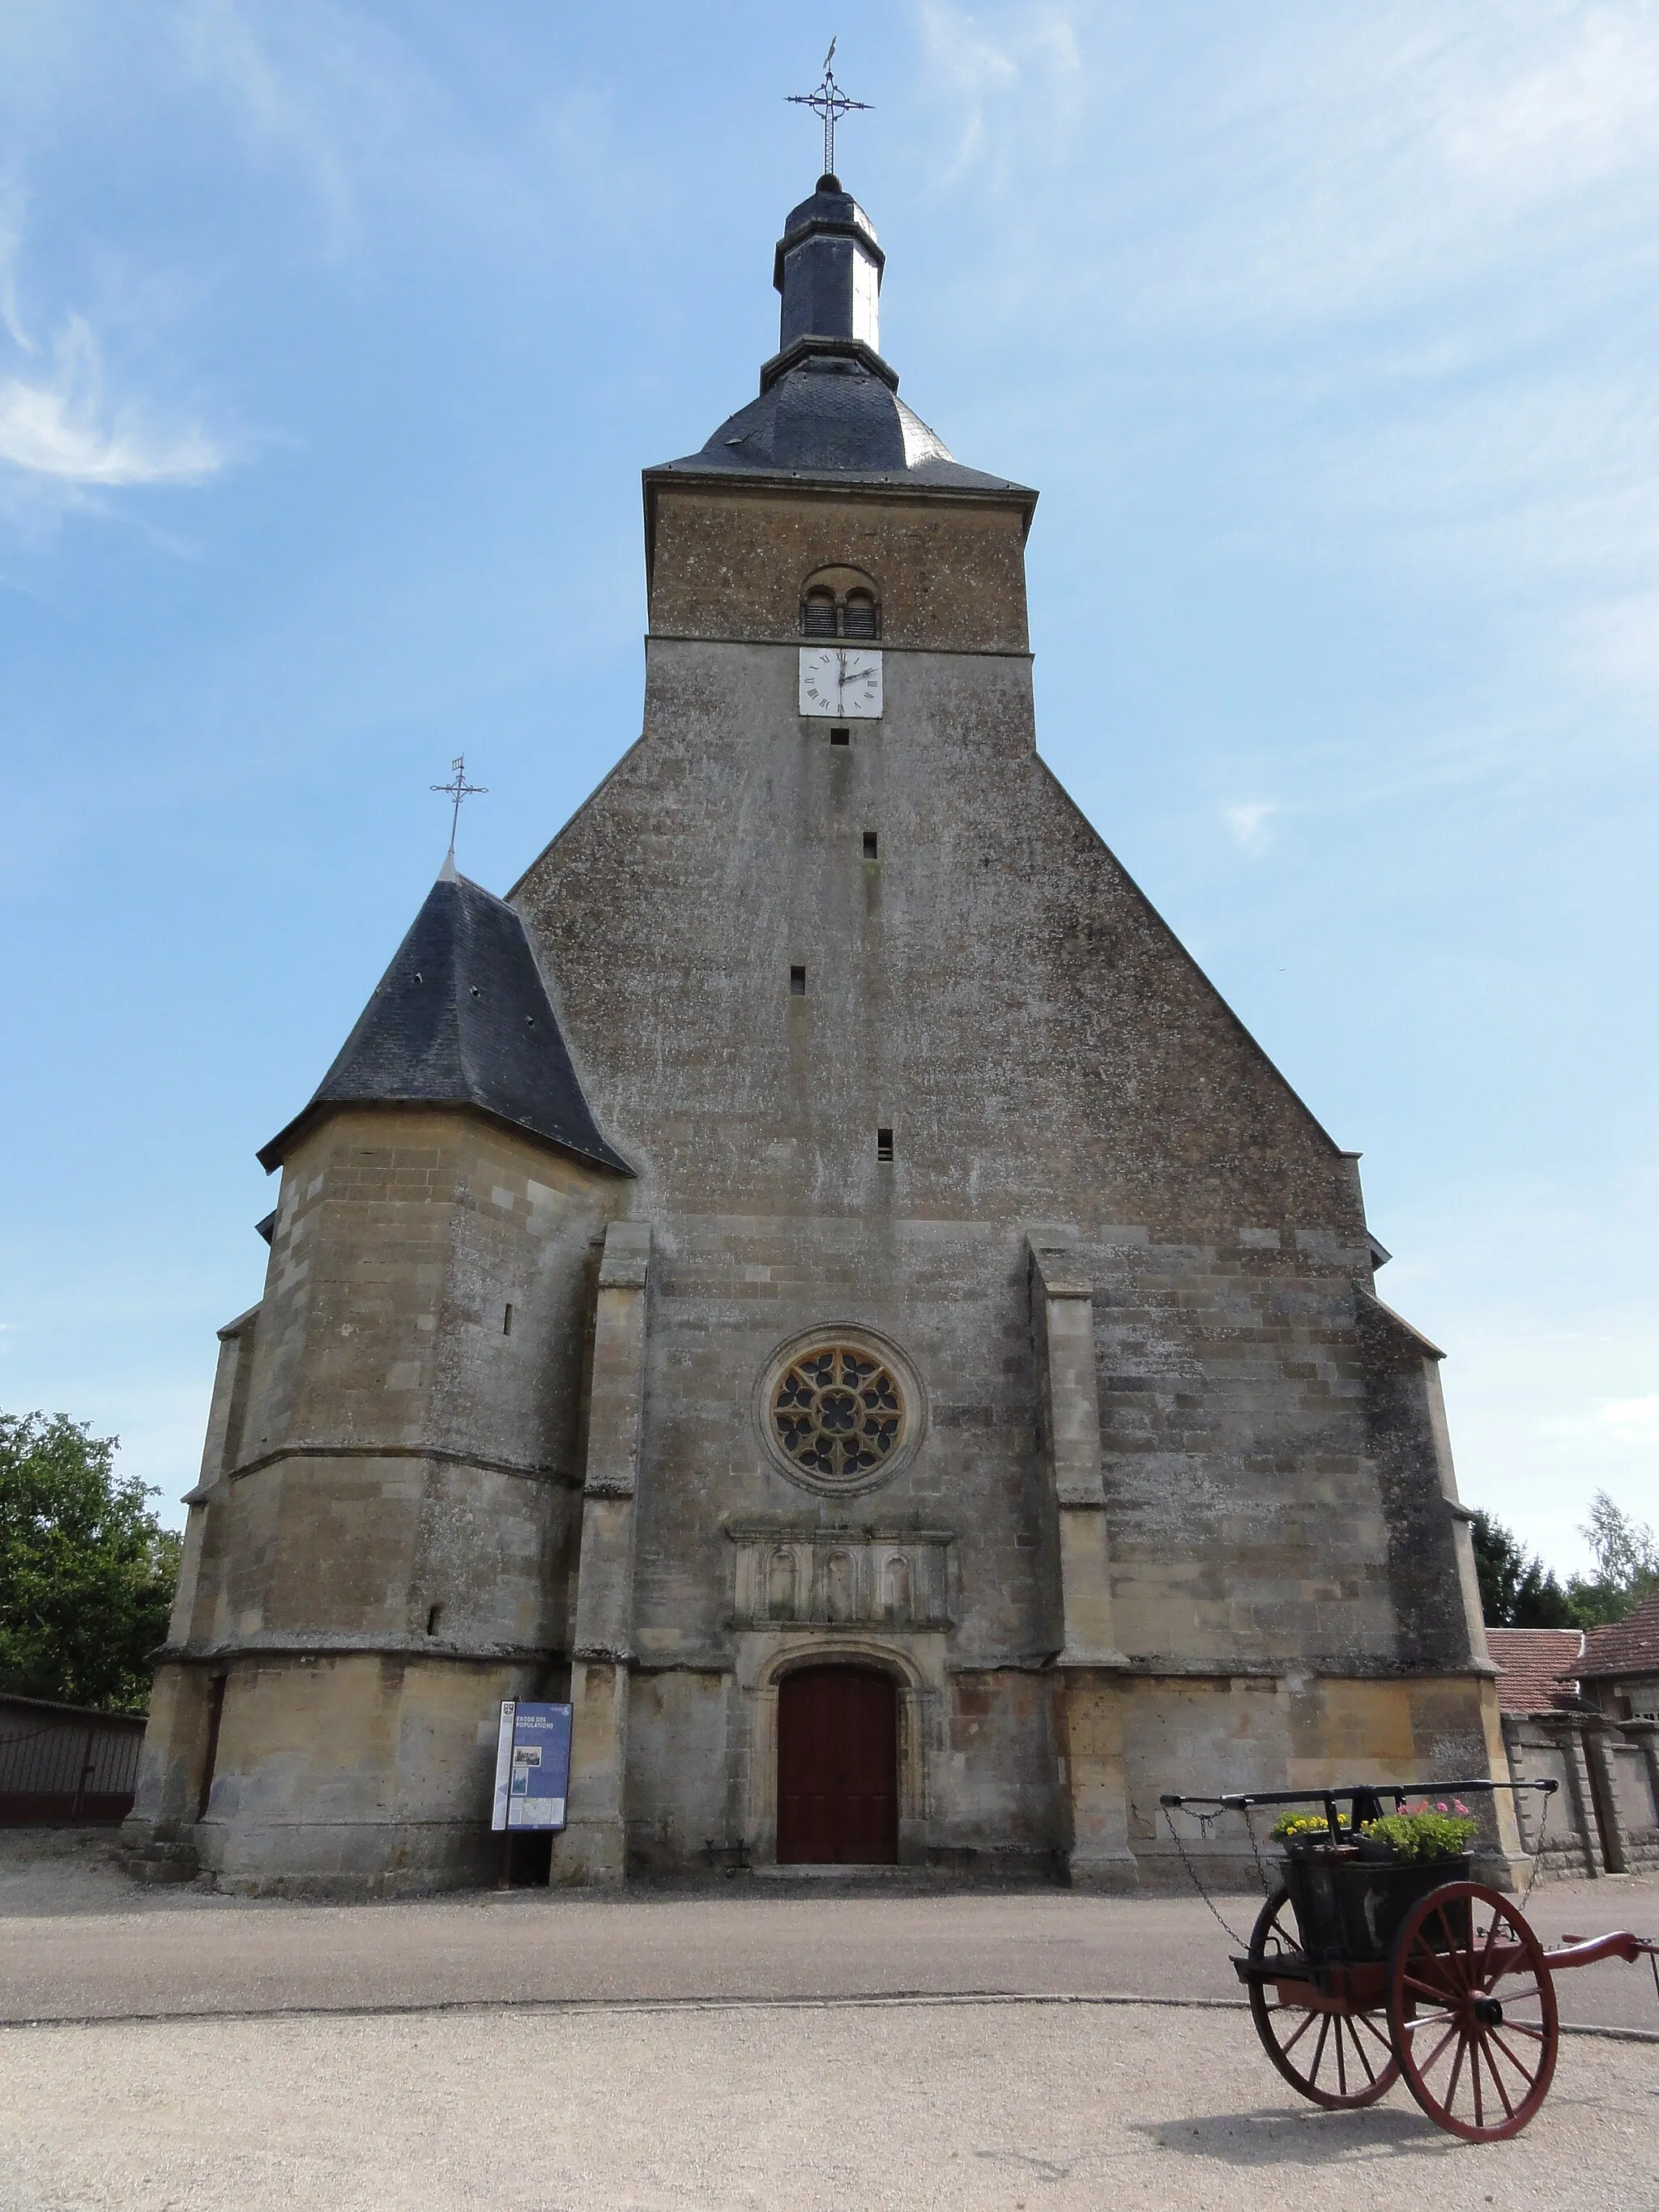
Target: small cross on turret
829, 103
458, 788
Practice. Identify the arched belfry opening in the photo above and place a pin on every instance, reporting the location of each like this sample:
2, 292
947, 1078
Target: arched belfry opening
837, 1767
840, 602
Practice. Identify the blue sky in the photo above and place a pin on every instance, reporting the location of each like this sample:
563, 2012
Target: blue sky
333, 337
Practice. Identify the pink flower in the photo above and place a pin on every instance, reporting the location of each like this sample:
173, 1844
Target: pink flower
1461, 1806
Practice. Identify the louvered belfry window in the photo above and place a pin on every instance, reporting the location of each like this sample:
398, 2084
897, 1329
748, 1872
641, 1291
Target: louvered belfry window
840, 602
857, 615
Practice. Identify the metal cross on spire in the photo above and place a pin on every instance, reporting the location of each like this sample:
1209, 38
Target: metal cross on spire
459, 788
829, 103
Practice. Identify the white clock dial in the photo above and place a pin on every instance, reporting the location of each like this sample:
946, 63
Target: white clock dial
839, 682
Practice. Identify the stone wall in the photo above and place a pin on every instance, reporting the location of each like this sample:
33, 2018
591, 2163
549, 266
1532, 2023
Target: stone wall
1171, 1502
1266, 1578
1603, 1817
383, 1543
950, 573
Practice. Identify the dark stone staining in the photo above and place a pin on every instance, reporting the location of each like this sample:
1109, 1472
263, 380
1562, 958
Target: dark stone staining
1422, 1561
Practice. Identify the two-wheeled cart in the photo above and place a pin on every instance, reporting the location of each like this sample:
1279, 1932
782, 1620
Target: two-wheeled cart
1360, 1971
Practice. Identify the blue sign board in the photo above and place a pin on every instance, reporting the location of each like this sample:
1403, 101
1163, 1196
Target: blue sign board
532, 1765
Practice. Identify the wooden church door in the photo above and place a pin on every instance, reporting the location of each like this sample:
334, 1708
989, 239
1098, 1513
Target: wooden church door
837, 1768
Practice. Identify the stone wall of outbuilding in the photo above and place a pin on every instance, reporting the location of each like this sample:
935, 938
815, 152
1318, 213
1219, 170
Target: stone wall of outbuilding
1603, 1817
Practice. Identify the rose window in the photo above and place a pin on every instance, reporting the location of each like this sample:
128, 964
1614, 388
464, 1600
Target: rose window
837, 1413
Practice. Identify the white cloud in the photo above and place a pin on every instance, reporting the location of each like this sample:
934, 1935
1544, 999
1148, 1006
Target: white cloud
1588, 111
1629, 1420
11, 235
1248, 823
1038, 54
62, 429
1621, 641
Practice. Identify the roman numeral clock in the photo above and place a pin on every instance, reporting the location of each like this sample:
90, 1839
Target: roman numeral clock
835, 682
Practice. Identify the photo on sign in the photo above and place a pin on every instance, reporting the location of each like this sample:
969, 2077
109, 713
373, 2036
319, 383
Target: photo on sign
532, 1765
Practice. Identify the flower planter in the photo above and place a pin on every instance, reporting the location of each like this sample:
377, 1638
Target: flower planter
1351, 1907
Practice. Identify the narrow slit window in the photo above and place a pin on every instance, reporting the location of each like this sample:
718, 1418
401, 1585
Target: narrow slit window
798, 983
870, 850
839, 737
506, 1321
434, 1614
884, 1144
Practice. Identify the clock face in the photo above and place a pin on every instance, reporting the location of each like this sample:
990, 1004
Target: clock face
841, 682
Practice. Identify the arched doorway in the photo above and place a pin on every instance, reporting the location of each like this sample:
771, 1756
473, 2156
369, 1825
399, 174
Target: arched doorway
837, 1767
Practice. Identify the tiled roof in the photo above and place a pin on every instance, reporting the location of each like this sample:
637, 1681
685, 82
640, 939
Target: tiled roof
1630, 1646
1539, 1666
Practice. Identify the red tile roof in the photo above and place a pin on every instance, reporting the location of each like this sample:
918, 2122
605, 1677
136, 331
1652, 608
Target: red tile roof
1539, 1667
1630, 1646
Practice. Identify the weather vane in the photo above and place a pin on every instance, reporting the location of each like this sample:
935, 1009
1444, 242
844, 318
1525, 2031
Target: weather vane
829, 103
459, 788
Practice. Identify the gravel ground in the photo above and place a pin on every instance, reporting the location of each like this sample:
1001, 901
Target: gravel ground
953, 2104
778, 2045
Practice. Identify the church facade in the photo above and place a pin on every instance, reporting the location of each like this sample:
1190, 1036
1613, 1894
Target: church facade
817, 1276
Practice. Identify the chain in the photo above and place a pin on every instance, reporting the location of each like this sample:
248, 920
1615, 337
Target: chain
1268, 1885
1538, 1858
1193, 1874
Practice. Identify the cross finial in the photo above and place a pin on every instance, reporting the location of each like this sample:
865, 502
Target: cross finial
458, 788
829, 103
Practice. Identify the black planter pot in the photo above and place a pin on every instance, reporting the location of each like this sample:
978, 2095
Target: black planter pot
1350, 1908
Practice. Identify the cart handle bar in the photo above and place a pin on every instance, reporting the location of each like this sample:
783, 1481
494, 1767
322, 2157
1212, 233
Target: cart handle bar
1586, 1950
1235, 1801
1365, 1797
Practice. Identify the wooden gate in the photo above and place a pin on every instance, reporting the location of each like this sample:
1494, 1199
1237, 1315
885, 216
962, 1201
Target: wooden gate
837, 1768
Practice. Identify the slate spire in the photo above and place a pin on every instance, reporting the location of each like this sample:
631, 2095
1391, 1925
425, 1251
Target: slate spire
461, 1018
829, 404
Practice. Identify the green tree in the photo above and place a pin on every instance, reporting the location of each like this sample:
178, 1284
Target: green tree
1517, 1590
1626, 1563
87, 1572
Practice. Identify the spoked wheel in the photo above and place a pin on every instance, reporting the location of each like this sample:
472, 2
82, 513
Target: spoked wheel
1340, 2059
1471, 2011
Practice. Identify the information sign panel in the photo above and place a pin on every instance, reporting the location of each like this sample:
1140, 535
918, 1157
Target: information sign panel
532, 1765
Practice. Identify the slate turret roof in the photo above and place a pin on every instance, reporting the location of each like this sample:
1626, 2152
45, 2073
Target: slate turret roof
462, 1018
829, 403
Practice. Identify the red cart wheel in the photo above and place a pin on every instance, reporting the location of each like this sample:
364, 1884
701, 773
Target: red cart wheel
1336, 2058
1472, 2012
